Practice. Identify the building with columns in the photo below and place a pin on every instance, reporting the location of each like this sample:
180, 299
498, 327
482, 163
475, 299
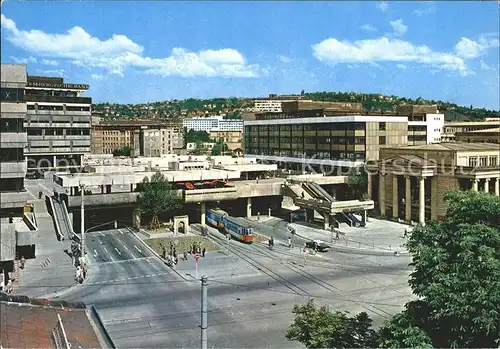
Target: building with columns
409, 183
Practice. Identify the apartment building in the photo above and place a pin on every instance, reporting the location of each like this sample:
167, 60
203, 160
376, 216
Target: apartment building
233, 139
450, 129
58, 123
409, 183
212, 123
144, 137
13, 140
339, 136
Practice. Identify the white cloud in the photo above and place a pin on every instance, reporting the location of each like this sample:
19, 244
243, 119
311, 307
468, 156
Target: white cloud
468, 48
431, 8
368, 27
399, 27
385, 50
97, 77
56, 72
29, 60
49, 62
383, 5
401, 66
119, 52
284, 59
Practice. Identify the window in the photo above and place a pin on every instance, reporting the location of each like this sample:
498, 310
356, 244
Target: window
12, 125
483, 161
493, 161
381, 126
473, 161
12, 94
381, 140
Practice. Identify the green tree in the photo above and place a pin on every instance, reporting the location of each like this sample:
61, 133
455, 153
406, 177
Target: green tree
456, 278
156, 196
193, 136
123, 151
219, 148
358, 182
318, 327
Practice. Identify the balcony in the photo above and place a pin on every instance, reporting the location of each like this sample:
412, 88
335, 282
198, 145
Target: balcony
59, 112
57, 99
13, 169
14, 140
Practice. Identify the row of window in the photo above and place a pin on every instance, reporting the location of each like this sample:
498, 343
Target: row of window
56, 107
482, 161
307, 155
58, 132
341, 126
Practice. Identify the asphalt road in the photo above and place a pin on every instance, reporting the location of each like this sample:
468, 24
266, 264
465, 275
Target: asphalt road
162, 310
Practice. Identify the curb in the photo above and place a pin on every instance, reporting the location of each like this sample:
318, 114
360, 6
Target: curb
361, 250
157, 255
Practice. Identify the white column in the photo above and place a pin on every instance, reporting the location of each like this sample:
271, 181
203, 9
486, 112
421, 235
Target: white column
487, 185
203, 212
381, 197
249, 207
421, 201
395, 207
55, 161
475, 185
408, 199
497, 187
370, 185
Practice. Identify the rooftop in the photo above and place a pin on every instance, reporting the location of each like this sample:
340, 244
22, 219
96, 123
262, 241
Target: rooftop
459, 146
32, 323
486, 130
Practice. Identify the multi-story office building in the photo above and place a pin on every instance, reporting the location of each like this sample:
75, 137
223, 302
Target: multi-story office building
233, 139
336, 137
13, 195
58, 123
212, 123
157, 142
450, 129
272, 104
144, 137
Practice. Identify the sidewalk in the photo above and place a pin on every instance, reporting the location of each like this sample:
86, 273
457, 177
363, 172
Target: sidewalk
52, 270
377, 237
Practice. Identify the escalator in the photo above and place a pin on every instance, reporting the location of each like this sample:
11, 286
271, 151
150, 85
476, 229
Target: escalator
311, 191
322, 192
60, 217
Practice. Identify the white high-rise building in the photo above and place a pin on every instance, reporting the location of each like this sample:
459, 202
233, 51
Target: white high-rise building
213, 123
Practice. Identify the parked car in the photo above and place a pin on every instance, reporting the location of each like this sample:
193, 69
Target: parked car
318, 246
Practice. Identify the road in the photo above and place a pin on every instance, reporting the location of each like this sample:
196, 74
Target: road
144, 304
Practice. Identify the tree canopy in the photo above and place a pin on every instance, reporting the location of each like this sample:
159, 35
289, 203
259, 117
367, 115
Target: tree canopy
156, 195
358, 182
456, 277
219, 148
193, 136
123, 151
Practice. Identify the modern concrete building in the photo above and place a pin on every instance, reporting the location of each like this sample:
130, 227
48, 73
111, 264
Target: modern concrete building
491, 135
13, 138
212, 123
334, 136
272, 104
58, 123
409, 183
233, 139
450, 129
143, 136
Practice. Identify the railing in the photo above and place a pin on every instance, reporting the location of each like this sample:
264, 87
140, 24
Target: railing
58, 99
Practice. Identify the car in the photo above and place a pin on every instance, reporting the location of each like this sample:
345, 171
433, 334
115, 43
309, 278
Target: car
318, 246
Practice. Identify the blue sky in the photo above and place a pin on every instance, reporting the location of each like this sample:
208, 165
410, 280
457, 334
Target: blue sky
132, 52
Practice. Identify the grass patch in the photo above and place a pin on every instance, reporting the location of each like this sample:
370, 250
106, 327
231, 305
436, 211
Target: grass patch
181, 243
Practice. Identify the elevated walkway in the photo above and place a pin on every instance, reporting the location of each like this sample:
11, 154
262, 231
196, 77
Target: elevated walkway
61, 219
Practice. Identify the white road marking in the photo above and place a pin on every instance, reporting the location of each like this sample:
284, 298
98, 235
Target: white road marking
138, 249
95, 253
148, 276
101, 233
121, 232
136, 277
129, 252
118, 251
105, 249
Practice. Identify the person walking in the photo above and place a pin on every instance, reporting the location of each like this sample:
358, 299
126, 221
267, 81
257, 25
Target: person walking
289, 243
84, 270
203, 252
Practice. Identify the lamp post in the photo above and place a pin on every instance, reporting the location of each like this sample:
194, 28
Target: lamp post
82, 219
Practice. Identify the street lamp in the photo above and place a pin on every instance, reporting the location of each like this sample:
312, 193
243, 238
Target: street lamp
82, 218
100, 225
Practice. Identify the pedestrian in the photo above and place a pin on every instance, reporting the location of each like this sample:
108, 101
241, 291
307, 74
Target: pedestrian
84, 270
203, 252
23, 262
405, 234
185, 255
337, 235
40, 194
290, 243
